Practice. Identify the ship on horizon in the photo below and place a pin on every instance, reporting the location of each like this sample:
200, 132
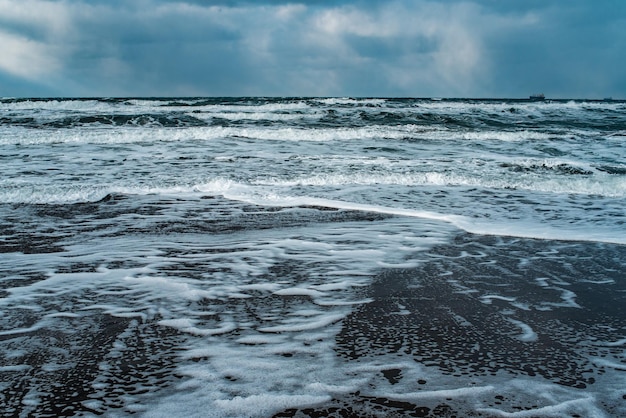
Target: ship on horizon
537, 96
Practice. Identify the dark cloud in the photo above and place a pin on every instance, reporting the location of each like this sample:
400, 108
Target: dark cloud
568, 52
360, 48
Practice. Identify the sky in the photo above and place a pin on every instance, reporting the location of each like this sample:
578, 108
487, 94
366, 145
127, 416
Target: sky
362, 48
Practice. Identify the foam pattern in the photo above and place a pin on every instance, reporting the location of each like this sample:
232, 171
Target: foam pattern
209, 307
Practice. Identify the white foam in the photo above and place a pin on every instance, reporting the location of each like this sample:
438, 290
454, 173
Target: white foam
528, 335
615, 343
265, 405
297, 291
601, 184
504, 227
310, 324
255, 116
441, 394
338, 285
350, 101
188, 328
55, 194
612, 364
487, 299
276, 200
563, 409
582, 233
246, 109
132, 135
506, 136
286, 341
319, 387
40, 106
264, 287
15, 368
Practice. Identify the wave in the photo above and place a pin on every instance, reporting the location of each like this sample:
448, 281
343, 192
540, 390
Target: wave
350, 101
54, 104
281, 194
569, 181
561, 167
445, 155
174, 132
143, 120
68, 194
461, 115
120, 129
494, 227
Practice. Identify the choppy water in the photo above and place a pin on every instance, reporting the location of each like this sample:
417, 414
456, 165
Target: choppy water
300, 257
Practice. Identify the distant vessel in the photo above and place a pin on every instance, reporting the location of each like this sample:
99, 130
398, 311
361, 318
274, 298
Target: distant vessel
538, 96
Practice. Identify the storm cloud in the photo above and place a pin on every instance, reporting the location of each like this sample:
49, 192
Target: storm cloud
415, 48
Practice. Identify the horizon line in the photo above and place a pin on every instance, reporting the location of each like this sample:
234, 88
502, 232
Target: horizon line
433, 98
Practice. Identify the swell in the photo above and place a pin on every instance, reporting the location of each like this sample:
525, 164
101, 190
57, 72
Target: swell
111, 119
462, 115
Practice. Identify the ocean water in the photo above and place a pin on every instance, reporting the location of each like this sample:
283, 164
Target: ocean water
258, 257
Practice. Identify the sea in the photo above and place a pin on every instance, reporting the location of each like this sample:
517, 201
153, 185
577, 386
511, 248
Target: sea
312, 257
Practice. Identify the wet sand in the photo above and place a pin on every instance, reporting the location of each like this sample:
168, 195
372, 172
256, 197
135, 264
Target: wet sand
491, 308
475, 312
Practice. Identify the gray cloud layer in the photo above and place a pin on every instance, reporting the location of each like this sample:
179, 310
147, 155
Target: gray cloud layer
481, 48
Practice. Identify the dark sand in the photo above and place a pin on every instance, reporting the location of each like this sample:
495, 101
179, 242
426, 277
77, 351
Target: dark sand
572, 295
451, 325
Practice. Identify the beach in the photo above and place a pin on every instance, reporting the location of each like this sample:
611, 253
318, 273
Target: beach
298, 257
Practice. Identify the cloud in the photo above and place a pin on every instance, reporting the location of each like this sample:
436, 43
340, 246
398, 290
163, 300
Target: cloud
26, 58
36, 16
412, 45
29, 34
324, 47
